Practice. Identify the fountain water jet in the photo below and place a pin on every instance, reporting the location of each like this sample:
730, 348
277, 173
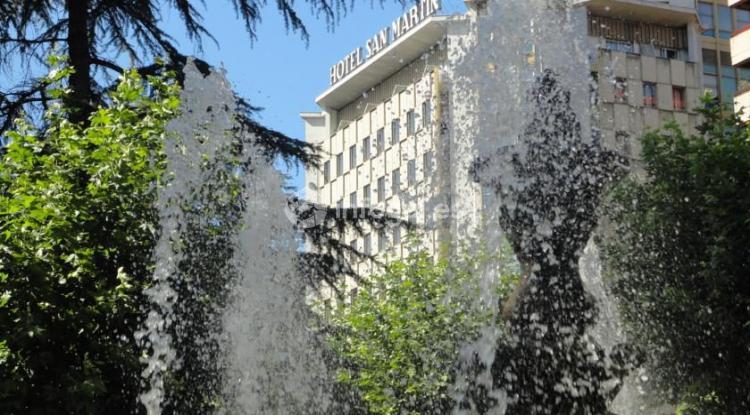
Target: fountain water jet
229, 328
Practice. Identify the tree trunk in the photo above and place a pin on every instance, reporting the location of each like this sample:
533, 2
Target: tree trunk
79, 51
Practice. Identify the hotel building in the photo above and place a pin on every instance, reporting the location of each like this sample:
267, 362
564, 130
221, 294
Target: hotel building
385, 122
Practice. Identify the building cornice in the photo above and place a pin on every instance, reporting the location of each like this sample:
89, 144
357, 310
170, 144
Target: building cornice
400, 53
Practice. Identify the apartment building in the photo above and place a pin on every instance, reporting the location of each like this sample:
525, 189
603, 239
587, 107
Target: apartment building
385, 123
648, 67
740, 54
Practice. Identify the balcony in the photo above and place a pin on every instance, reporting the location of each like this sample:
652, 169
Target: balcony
663, 12
740, 4
740, 46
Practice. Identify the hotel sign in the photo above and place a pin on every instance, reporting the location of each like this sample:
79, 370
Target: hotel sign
383, 38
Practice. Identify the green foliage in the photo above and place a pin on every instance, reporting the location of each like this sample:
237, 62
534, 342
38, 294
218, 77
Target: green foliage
77, 229
400, 336
681, 244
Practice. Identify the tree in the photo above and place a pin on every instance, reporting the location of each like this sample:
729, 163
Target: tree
77, 227
93, 33
680, 244
400, 337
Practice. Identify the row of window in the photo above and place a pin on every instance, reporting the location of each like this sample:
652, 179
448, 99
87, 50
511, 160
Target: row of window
383, 242
411, 129
645, 49
720, 78
713, 16
649, 94
411, 180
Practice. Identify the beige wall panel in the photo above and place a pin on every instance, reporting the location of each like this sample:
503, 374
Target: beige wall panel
392, 158
692, 99
338, 143
648, 68
664, 96
677, 72
606, 117
663, 70
619, 64
364, 176
651, 118
635, 92
692, 76
622, 117
378, 169
606, 88
634, 67
363, 128
681, 118
635, 121
350, 184
324, 195
665, 117
391, 112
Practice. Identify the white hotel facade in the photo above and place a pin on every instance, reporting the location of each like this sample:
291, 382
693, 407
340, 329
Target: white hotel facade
386, 122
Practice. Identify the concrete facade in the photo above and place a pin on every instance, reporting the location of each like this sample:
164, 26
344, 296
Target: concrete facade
640, 84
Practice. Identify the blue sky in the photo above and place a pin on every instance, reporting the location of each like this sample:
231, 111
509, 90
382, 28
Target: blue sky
279, 71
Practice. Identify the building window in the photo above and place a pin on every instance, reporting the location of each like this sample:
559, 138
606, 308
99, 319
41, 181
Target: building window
426, 113
411, 123
413, 219
353, 199
710, 61
706, 14
710, 72
395, 131
339, 164
366, 195
353, 245
711, 85
353, 156
725, 22
621, 90
327, 171
381, 189
649, 94
395, 182
382, 241
340, 205
427, 164
744, 79
620, 46
396, 234
743, 19
411, 172
728, 78
668, 53
368, 244
380, 141
678, 98
366, 149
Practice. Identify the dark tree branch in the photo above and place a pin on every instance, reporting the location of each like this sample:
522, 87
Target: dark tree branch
107, 64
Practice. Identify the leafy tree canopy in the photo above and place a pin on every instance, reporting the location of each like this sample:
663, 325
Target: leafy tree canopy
400, 337
76, 236
681, 243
